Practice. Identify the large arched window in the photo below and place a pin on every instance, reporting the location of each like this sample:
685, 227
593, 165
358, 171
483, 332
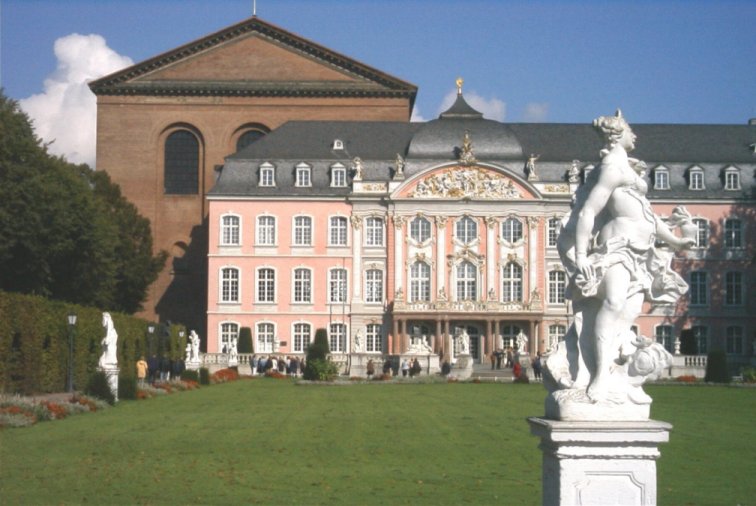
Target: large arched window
467, 286
511, 283
181, 163
419, 282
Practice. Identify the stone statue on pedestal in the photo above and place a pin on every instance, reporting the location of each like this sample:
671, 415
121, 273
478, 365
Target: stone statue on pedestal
109, 357
359, 342
464, 343
194, 342
607, 246
522, 342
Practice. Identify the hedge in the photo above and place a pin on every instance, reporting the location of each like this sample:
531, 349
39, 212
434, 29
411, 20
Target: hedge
34, 337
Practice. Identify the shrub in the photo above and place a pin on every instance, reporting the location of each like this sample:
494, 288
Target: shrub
98, 387
749, 375
224, 375
245, 341
716, 367
317, 366
127, 387
204, 376
190, 376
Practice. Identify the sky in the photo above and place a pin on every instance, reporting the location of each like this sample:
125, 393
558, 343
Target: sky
569, 61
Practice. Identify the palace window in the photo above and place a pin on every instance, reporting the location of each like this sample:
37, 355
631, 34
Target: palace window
701, 338
511, 288
696, 179
265, 338
373, 341
663, 334
181, 163
420, 229
266, 285
556, 334
267, 175
734, 340
511, 230
557, 284
734, 288
302, 333
337, 283
466, 230
303, 175
303, 286
266, 230
732, 179
419, 282
230, 229
338, 176
702, 234
467, 281
228, 331
337, 234
229, 284
552, 232
302, 231
661, 178
699, 288
733, 233
374, 286
373, 231
337, 338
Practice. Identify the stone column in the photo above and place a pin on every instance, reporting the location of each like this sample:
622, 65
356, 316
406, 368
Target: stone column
396, 340
599, 463
438, 342
532, 251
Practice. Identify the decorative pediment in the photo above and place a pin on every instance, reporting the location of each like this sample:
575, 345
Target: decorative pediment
460, 182
252, 58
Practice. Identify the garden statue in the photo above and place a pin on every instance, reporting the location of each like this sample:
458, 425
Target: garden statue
522, 342
233, 351
608, 246
109, 357
359, 342
194, 342
464, 343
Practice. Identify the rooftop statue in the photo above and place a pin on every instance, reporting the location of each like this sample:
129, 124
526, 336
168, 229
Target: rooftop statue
109, 357
607, 245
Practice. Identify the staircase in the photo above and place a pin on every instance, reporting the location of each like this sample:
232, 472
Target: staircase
484, 372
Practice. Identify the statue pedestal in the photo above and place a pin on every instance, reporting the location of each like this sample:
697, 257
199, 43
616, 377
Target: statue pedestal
599, 463
463, 369
193, 365
111, 373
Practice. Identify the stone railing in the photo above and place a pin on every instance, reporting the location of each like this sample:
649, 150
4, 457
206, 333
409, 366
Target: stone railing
466, 306
687, 365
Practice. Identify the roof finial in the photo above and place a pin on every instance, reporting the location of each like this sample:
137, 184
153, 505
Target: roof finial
460, 81
254, 7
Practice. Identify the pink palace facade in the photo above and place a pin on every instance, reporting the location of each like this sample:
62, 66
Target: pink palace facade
388, 234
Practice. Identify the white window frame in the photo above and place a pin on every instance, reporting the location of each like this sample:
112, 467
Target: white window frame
303, 286
696, 179
420, 284
702, 234
229, 289
338, 176
733, 288
302, 233
338, 228
557, 283
373, 338
556, 334
265, 342
338, 285
266, 287
511, 282
374, 286
733, 235
511, 230
230, 233
732, 179
420, 229
301, 336
661, 178
267, 175
553, 227
267, 232
227, 330
699, 288
337, 337
374, 227
303, 176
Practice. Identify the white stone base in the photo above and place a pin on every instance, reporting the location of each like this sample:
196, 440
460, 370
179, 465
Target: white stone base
111, 373
599, 463
193, 365
463, 369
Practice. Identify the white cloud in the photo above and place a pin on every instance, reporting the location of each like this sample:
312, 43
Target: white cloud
536, 112
66, 112
492, 108
416, 115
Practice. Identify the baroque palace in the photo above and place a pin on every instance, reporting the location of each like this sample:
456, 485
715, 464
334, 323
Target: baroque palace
332, 210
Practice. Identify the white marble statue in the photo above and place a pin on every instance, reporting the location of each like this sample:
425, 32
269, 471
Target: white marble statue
109, 357
464, 343
522, 342
233, 349
607, 246
188, 353
359, 342
194, 342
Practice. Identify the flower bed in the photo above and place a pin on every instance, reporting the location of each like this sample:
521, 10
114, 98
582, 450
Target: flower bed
17, 411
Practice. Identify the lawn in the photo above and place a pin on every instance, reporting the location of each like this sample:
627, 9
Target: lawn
269, 441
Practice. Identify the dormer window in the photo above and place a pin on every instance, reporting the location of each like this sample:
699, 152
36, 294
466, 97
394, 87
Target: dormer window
661, 178
267, 174
696, 179
338, 144
338, 176
303, 176
732, 179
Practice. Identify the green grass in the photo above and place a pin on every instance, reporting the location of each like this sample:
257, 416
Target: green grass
271, 442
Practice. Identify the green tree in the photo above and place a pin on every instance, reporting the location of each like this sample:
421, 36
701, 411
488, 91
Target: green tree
65, 231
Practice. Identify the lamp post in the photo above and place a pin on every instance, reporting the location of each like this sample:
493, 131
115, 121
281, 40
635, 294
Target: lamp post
71, 328
150, 339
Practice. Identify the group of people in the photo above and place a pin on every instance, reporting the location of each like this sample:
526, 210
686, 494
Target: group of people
411, 368
500, 355
158, 369
292, 366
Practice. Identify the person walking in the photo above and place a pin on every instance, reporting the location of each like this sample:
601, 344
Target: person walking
142, 368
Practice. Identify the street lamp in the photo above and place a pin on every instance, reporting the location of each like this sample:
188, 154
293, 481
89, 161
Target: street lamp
71, 327
150, 334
